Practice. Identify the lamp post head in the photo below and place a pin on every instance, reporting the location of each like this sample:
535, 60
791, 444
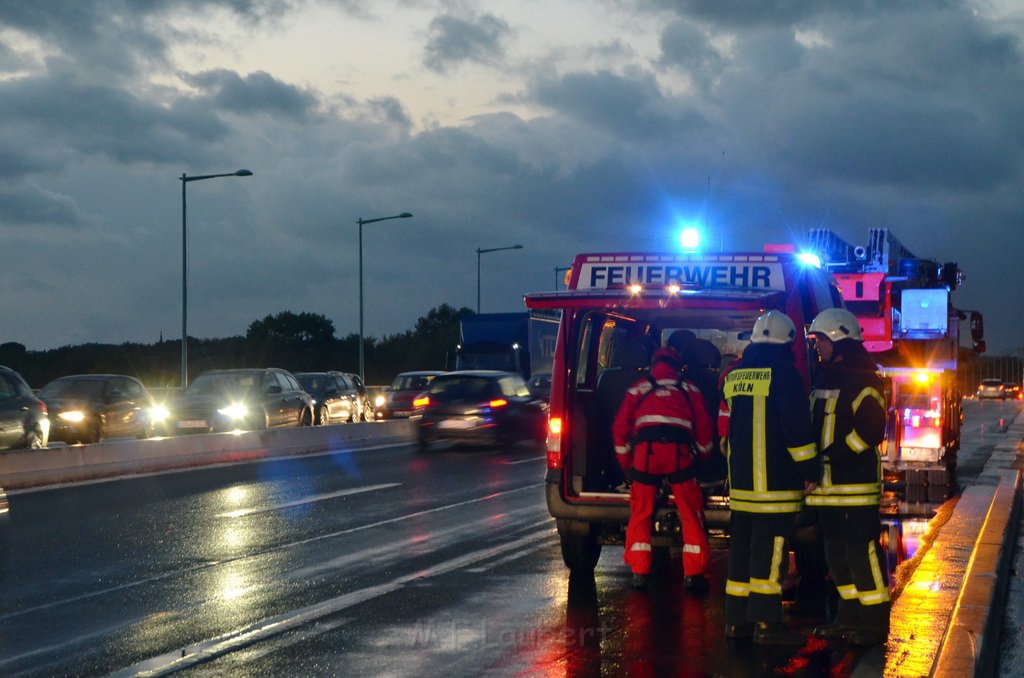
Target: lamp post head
243, 173
404, 215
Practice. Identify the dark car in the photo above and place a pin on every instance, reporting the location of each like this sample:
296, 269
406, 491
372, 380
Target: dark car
337, 397
23, 417
242, 399
396, 401
1012, 391
540, 386
85, 408
479, 406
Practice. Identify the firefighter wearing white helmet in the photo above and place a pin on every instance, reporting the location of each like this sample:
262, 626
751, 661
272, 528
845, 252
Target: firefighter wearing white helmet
837, 324
774, 327
849, 414
773, 464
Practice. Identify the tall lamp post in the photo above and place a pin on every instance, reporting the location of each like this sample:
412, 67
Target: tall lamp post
184, 265
361, 221
478, 253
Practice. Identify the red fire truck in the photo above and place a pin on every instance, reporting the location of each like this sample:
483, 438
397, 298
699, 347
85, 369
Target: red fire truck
616, 310
908, 322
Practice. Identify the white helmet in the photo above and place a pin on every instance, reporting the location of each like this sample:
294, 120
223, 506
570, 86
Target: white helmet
836, 324
774, 327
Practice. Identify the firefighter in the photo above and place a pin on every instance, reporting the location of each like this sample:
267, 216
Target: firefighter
660, 432
849, 414
773, 464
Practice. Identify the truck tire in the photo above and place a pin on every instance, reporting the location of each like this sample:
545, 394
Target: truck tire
580, 552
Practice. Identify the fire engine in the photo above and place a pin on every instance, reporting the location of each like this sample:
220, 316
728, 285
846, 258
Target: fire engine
617, 309
909, 324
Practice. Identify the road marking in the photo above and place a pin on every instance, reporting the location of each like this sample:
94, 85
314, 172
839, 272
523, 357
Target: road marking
273, 549
307, 500
524, 461
199, 653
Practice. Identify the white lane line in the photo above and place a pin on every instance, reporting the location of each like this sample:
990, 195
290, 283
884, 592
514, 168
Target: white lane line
273, 626
524, 461
307, 500
280, 547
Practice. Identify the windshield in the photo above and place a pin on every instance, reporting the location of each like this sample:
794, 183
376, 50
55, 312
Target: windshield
314, 383
464, 387
232, 382
73, 388
411, 382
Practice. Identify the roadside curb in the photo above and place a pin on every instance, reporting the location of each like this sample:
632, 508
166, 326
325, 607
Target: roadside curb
947, 620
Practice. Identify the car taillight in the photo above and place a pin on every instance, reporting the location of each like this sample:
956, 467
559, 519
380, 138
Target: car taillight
497, 402
422, 401
554, 442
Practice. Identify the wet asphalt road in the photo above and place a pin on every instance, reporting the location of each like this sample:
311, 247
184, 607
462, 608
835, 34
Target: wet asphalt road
372, 562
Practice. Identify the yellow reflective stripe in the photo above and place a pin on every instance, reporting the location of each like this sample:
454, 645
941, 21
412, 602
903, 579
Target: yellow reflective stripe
621, 449
847, 489
737, 588
860, 500
868, 392
855, 442
760, 447
828, 426
761, 507
640, 546
662, 419
691, 548
765, 587
847, 592
777, 495
881, 592
804, 452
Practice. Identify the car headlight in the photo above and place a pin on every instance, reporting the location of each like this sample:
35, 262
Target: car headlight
234, 411
72, 416
379, 401
158, 413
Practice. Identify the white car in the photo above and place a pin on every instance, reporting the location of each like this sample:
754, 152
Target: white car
991, 388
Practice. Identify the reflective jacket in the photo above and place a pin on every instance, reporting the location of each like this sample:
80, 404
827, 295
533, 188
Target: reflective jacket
662, 426
766, 416
849, 413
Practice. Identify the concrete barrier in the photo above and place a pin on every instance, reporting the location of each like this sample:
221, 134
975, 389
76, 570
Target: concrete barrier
21, 469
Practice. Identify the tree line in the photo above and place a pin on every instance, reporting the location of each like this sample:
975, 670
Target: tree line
298, 342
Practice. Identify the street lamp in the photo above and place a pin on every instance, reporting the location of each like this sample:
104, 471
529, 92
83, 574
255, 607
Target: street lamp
478, 253
184, 265
361, 221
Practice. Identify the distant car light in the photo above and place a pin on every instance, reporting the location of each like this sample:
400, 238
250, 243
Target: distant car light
234, 411
379, 401
159, 413
72, 416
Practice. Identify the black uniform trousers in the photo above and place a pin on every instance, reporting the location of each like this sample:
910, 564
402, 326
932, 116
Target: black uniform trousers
857, 564
758, 563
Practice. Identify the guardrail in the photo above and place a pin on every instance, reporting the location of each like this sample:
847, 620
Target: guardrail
21, 469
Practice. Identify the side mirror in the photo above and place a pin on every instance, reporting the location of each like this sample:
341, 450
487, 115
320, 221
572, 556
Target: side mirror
274, 389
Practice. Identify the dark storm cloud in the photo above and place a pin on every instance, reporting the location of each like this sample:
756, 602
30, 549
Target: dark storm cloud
255, 93
626, 107
744, 13
454, 40
32, 205
685, 45
105, 120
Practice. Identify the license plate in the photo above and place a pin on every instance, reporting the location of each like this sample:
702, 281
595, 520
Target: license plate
456, 423
402, 413
193, 423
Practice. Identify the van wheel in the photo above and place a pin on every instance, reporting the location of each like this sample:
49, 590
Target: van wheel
580, 552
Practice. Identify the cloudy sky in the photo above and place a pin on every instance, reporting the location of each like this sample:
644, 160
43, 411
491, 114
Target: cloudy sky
562, 125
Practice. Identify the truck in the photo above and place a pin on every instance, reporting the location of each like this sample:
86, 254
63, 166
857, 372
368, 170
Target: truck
617, 308
513, 342
909, 324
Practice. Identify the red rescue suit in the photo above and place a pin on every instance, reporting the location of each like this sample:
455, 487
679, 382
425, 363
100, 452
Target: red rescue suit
659, 432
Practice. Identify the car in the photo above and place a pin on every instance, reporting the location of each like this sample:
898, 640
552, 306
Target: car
991, 388
86, 408
242, 399
396, 401
24, 419
337, 397
540, 386
1012, 391
479, 406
